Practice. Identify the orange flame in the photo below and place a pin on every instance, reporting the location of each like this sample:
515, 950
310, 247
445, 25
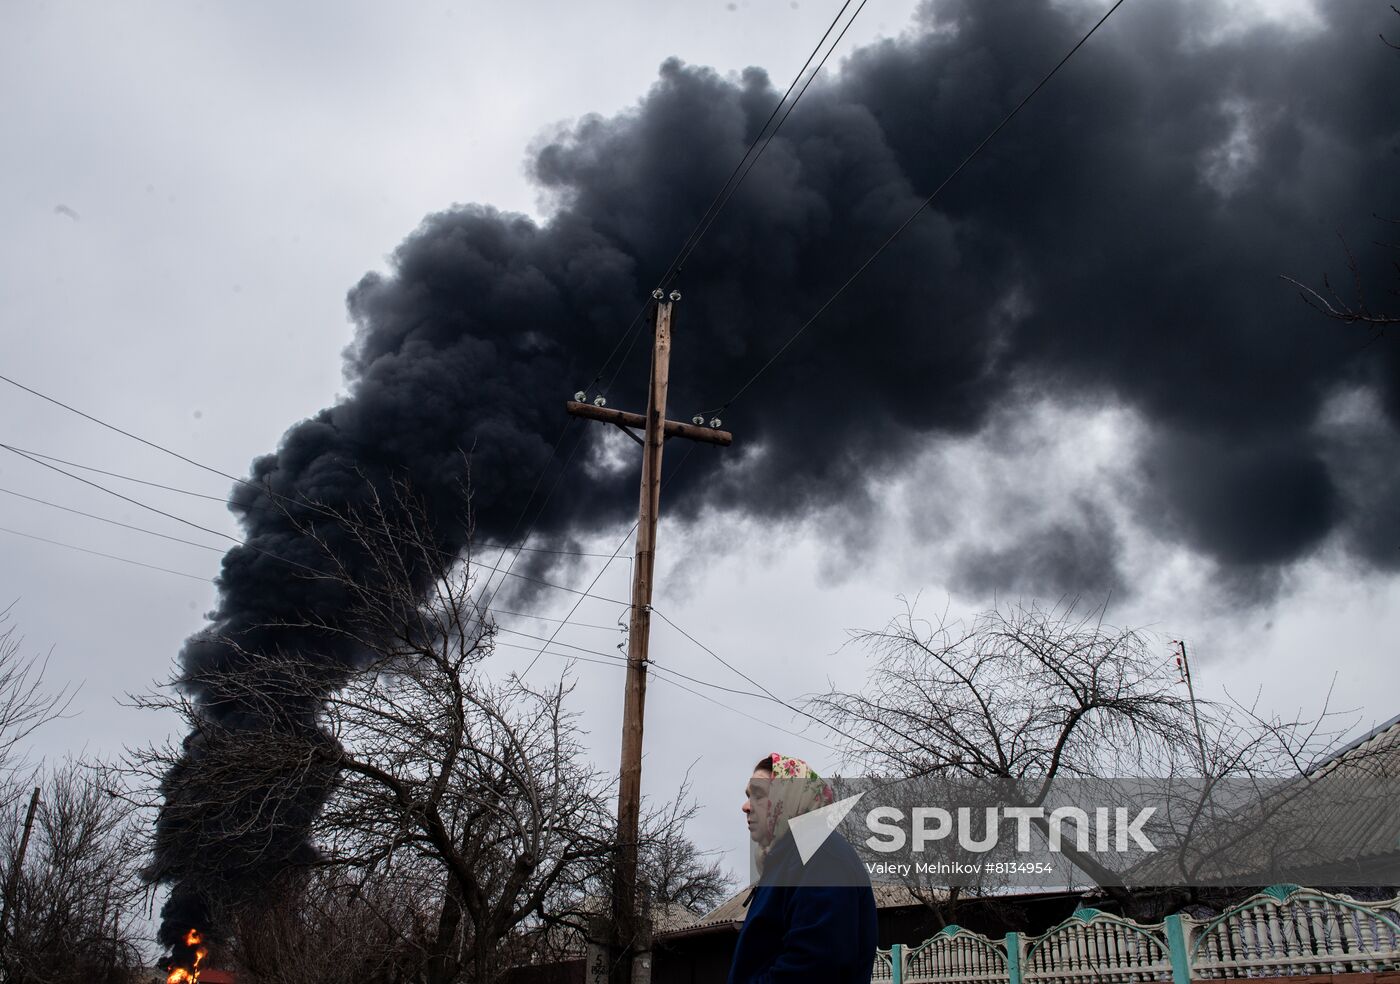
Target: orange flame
181, 975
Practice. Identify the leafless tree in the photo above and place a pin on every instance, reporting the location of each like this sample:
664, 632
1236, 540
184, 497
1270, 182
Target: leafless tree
672, 869
1026, 698
26, 704
1356, 310
1269, 797
74, 915
325, 926
417, 768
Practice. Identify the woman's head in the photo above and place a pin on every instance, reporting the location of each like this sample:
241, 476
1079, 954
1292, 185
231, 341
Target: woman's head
779, 789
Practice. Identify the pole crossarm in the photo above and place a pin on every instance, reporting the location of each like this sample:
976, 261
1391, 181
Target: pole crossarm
627, 420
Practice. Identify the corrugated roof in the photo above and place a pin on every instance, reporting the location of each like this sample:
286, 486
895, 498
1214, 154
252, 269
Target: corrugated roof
1349, 796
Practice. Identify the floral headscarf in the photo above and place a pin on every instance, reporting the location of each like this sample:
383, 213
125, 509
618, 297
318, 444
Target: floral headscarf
796, 789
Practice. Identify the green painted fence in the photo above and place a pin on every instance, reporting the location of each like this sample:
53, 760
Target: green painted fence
1283, 930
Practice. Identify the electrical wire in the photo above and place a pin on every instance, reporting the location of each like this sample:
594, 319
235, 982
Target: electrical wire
608, 659
584, 594
757, 720
679, 686
98, 553
684, 256
125, 433
651, 663
584, 659
727, 190
916, 213
268, 553
546, 618
540, 512
621, 543
169, 515
104, 519
772, 696
205, 546
263, 488
531, 498
124, 498
125, 478
482, 544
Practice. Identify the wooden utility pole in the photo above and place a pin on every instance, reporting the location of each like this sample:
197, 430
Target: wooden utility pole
629, 793
12, 883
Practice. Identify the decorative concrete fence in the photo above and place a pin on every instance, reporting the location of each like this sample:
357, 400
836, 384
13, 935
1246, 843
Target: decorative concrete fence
1283, 931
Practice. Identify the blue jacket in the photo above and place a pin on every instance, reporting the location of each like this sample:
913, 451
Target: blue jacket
812, 922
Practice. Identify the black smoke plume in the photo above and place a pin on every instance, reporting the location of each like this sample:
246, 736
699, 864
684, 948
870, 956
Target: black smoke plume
1121, 242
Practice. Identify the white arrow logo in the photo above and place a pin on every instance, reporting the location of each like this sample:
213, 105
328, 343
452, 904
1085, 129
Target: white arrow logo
811, 830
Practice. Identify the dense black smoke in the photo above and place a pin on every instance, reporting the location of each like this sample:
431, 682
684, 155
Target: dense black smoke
1121, 242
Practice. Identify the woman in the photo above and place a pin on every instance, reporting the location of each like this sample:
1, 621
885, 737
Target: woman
812, 921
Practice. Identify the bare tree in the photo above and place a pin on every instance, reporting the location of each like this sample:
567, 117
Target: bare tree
1027, 698
326, 925
672, 870
25, 703
74, 913
1356, 310
1016, 701
417, 761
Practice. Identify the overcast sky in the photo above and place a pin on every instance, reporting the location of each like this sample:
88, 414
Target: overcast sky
191, 190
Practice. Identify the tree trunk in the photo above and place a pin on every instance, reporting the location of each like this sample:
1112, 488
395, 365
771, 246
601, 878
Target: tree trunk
443, 965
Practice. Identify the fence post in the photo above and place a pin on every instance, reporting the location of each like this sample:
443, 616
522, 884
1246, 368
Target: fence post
897, 963
1176, 947
1013, 957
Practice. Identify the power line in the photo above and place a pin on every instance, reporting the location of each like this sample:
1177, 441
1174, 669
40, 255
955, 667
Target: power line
584, 659
484, 544
669, 682
125, 433
125, 478
681, 260
554, 450
607, 660
621, 543
540, 512
758, 720
263, 488
268, 553
561, 587
727, 190
660, 667
98, 553
772, 696
584, 594
917, 212
104, 519
546, 618
124, 498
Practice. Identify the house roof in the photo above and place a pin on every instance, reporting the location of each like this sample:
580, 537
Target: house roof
1382, 736
1349, 796
666, 918
731, 912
